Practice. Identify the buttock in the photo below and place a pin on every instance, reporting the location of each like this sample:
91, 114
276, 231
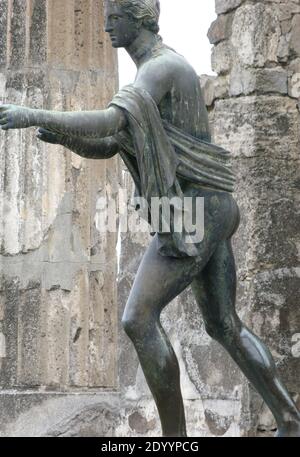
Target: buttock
235, 217
219, 221
220, 209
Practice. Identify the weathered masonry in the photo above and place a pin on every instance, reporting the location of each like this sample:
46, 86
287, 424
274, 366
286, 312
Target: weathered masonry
58, 274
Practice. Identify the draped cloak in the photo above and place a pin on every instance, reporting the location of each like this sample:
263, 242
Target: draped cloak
157, 153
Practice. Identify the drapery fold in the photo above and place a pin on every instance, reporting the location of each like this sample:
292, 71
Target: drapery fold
157, 153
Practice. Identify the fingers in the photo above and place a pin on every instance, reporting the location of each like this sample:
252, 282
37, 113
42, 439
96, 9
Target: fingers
42, 137
5, 127
41, 134
47, 136
5, 122
42, 131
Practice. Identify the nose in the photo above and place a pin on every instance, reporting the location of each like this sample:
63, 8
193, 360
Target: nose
108, 29
108, 26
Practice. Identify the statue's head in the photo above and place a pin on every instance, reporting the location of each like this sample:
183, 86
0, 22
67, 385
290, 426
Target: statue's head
124, 19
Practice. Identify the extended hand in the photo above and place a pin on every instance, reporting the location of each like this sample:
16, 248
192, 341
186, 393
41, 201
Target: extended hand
49, 137
15, 117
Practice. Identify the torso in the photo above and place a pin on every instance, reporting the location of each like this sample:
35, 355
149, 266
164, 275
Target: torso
183, 105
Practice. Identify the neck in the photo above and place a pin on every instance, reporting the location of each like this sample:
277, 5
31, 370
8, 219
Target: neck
142, 46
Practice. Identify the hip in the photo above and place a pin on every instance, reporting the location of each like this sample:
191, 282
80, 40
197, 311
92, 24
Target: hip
220, 207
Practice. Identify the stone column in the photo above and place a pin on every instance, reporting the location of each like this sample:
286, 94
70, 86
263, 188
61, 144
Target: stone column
58, 273
254, 109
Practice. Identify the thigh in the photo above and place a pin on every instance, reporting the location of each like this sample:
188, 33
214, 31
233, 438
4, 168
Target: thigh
158, 281
161, 278
215, 287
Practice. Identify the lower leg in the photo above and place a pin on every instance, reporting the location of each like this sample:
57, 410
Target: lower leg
215, 292
256, 362
161, 370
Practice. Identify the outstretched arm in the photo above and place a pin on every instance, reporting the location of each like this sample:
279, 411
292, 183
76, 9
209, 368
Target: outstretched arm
101, 148
155, 76
93, 124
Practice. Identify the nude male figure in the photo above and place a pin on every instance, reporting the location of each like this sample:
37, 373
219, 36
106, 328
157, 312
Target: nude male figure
174, 87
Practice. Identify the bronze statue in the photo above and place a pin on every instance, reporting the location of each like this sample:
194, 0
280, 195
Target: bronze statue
159, 125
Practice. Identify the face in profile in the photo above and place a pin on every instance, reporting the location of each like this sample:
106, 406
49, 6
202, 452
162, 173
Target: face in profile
122, 28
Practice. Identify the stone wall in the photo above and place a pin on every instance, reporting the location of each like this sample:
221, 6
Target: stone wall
58, 338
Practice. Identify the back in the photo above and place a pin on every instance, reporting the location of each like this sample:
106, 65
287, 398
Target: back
184, 106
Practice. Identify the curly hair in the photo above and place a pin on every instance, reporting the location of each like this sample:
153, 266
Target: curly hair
147, 11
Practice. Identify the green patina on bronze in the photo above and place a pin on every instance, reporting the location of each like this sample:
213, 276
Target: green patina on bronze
160, 124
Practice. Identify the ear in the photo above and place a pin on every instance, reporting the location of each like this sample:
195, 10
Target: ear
138, 23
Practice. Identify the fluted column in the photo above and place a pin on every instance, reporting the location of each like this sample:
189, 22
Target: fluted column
58, 273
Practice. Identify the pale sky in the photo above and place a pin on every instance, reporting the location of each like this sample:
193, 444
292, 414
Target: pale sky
183, 26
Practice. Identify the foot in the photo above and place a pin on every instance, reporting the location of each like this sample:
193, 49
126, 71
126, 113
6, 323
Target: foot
289, 430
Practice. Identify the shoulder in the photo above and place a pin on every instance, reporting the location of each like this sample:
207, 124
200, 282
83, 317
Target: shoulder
158, 74
166, 63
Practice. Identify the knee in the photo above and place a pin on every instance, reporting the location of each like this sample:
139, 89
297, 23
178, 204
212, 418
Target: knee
224, 329
135, 325
130, 325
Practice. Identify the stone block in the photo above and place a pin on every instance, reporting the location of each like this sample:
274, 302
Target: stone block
261, 81
288, 9
294, 66
295, 36
283, 51
286, 26
255, 35
221, 87
208, 88
256, 126
214, 88
45, 414
221, 59
220, 29
223, 6
294, 86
